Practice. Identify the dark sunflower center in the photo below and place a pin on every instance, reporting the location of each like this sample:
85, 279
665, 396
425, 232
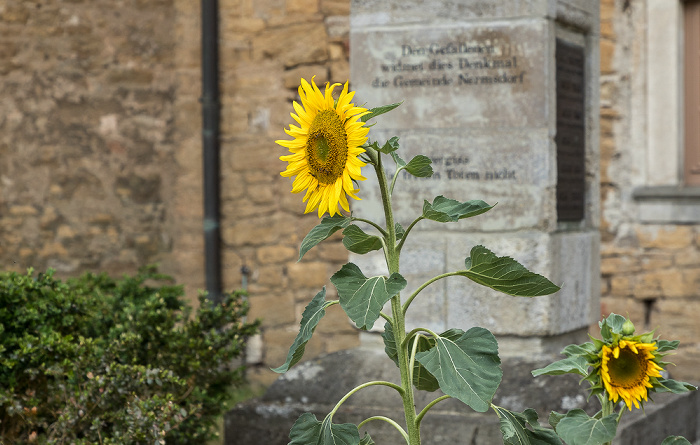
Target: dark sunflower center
628, 370
327, 147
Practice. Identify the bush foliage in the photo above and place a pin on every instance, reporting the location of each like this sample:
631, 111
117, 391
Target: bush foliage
94, 360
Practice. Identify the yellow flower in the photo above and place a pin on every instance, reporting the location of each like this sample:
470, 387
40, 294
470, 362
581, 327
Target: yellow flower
325, 148
626, 370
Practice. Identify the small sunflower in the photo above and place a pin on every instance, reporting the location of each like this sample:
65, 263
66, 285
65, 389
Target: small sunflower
626, 370
325, 148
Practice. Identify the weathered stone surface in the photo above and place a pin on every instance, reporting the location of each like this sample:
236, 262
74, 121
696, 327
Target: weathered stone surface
317, 384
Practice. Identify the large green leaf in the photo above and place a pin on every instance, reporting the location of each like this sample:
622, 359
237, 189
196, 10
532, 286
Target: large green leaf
577, 428
313, 313
374, 112
467, 367
357, 241
308, 430
675, 440
362, 298
515, 431
570, 365
448, 210
506, 275
328, 226
422, 378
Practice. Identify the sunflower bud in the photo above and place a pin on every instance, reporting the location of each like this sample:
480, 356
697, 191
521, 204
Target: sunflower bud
627, 328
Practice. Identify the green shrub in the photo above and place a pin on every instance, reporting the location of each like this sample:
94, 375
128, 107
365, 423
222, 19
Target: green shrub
95, 360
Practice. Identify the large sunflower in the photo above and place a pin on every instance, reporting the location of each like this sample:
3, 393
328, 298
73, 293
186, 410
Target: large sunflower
325, 148
625, 370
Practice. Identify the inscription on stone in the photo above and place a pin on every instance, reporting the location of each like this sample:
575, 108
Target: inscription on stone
571, 131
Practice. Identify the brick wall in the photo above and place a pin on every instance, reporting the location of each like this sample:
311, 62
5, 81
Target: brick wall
650, 272
267, 46
86, 134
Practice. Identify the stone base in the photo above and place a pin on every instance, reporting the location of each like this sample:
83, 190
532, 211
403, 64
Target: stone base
316, 385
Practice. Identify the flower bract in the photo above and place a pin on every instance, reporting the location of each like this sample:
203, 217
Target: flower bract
325, 148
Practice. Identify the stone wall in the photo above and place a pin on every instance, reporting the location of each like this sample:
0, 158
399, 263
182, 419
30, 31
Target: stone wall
267, 47
650, 271
86, 134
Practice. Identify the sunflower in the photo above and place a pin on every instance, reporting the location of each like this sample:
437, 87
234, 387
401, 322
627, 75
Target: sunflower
626, 370
325, 148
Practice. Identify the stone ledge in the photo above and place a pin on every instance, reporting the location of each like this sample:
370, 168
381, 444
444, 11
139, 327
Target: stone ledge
668, 204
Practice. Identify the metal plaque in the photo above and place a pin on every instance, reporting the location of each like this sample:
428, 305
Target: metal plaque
571, 131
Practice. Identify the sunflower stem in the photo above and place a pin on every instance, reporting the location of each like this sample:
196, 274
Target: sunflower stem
399, 326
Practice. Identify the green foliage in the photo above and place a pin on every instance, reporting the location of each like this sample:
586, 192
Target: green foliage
577, 428
97, 360
506, 275
357, 241
309, 430
362, 298
313, 313
449, 210
466, 367
328, 226
523, 428
374, 112
419, 166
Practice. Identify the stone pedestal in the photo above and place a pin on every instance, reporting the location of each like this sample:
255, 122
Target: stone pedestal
503, 97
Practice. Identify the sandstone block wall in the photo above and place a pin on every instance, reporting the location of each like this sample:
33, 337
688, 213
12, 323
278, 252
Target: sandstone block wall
87, 136
650, 271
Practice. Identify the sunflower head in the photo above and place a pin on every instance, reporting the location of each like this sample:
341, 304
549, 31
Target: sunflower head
627, 366
326, 147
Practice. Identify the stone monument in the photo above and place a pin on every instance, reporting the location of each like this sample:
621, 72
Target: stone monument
503, 97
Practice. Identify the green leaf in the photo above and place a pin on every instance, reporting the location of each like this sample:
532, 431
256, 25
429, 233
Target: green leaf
554, 418
448, 210
583, 349
515, 431
675, 440
611, 325
313, 313
390, 343
422, 378
367, 440
665, 345
571, 365
328, 226
362, 298
400, 231
674, 386
389, 147
357, 241
577, 428
374, 112
467, 367
308, 430
506, 275
420, 166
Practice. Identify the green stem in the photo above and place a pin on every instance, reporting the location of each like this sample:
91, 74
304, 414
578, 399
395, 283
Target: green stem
364, 385
399, 326
405, 234
430, 405
387, 420
424, 285
371, 223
